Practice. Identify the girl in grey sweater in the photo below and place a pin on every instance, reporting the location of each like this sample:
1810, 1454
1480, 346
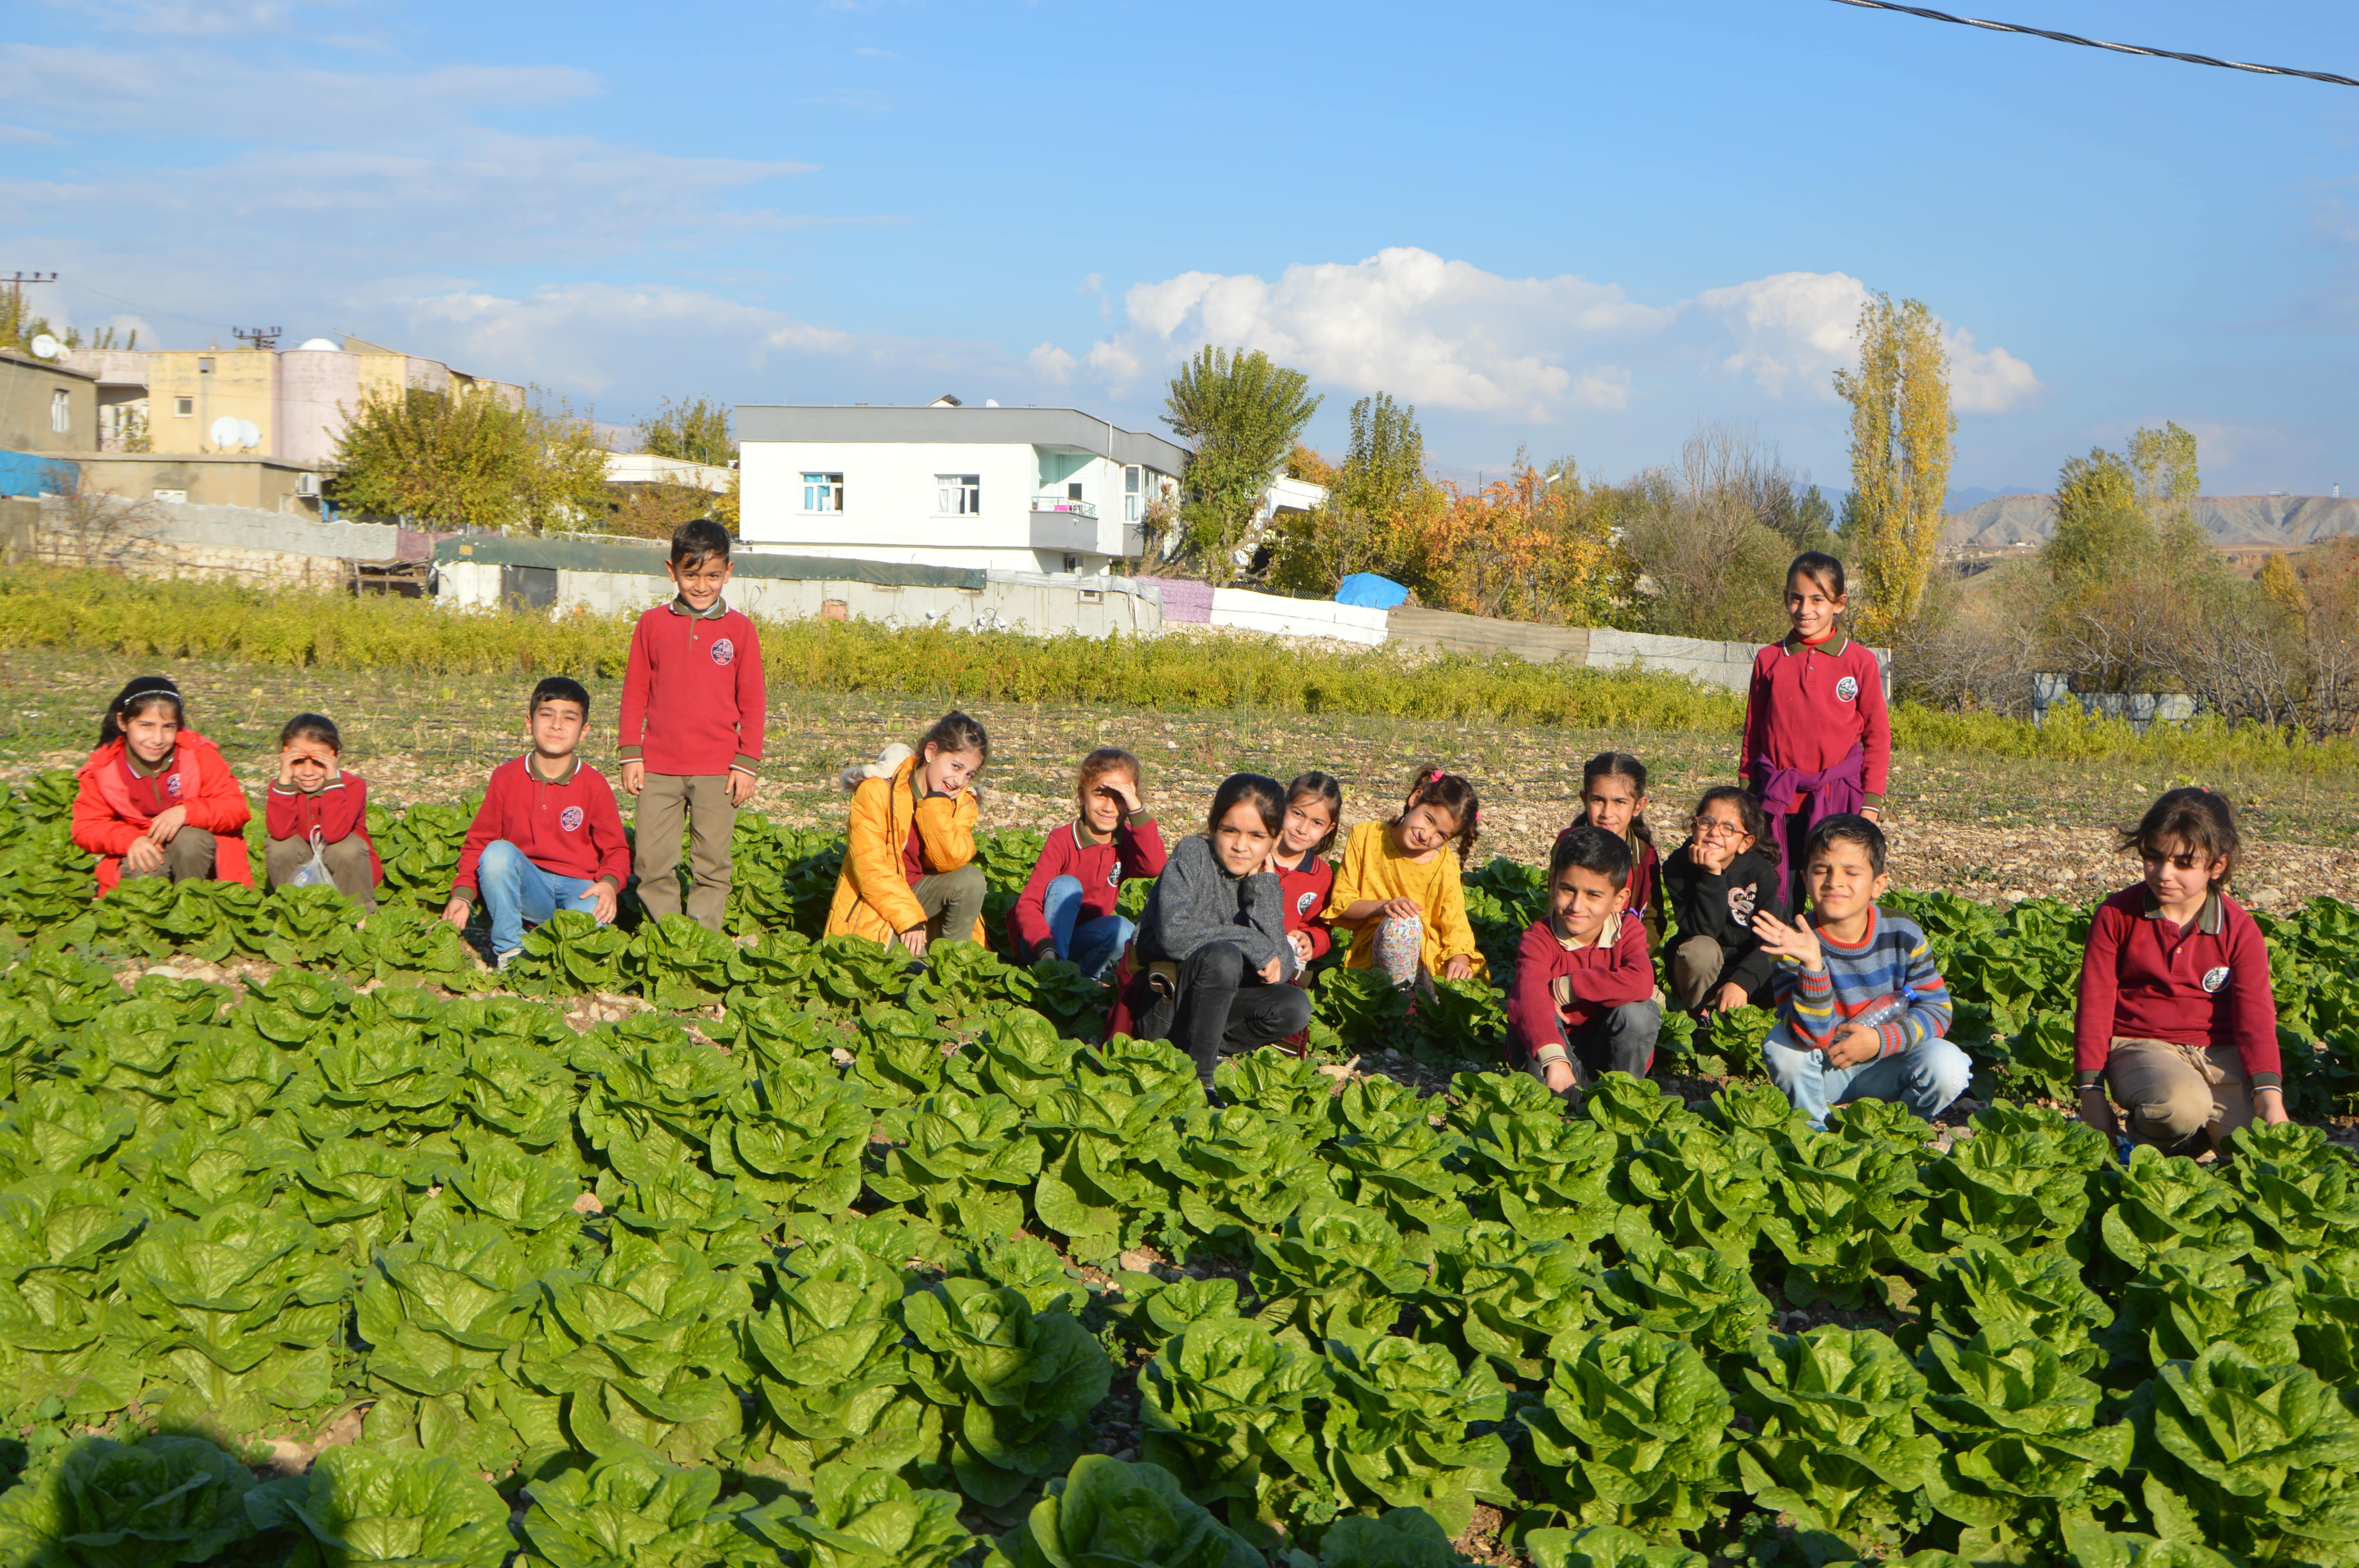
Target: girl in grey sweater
1213, 935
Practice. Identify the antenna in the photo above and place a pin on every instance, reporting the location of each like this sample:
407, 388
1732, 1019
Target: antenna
19, 279
257, 337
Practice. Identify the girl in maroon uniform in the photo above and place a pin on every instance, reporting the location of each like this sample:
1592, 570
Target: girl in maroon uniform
1614, 797
1817, 741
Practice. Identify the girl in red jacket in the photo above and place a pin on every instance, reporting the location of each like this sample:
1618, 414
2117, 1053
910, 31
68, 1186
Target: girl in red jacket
1614, 797
156, 799
314, 805
1067, 909
1817, 742
1314, 812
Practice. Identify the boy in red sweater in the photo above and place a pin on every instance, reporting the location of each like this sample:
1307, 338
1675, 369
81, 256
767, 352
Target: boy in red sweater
1067, 908
548, 836
2176, 1014
1582, 1002
692, 726
315, 804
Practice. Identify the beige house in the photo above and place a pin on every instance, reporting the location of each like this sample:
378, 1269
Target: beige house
286, 404
45, 406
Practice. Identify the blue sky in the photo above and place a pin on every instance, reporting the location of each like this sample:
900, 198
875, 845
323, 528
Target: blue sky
1574, 228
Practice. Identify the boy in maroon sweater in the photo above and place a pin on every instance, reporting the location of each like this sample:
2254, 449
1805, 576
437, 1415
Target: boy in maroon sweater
548, 836
2176, 1014
1582, 1002
1067, 908
692, 726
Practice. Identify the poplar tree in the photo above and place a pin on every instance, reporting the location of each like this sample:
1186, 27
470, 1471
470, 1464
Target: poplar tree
1243, 412
1900, 429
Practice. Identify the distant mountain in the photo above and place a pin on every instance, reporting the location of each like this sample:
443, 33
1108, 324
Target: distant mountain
1974, 495
2229, 520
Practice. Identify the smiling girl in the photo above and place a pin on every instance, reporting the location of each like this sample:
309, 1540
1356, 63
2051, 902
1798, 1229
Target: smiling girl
1817, 741
156, 799
910, 873
315, 804
1212, 941
2176, 1016
1067, 908
1399, 891
1725, 874
1614, 797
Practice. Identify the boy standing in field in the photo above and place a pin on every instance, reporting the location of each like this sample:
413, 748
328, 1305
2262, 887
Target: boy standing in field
1862, 1012
546, 837
692, 726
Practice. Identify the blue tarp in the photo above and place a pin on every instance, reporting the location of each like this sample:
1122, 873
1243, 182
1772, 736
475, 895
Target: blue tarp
1370, 592
30, 473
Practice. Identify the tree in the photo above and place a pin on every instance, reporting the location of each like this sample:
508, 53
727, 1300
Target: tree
1386, 463
1242, 412
696, 430
1714, 536
2130, 576
472, 459
1900, 429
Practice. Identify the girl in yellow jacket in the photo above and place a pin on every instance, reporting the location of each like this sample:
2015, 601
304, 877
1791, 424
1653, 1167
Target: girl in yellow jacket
908, 873
1398, 898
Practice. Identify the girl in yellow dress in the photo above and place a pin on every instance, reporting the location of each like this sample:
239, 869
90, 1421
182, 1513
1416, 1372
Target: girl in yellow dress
1399, 896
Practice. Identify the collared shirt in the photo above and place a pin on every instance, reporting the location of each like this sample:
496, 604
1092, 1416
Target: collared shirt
692, 697
566, 826
156, 789
1808, 707
1564, 987
1134, 850
2203, 984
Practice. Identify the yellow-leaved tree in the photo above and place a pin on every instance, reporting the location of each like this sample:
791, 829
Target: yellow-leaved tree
1900, 431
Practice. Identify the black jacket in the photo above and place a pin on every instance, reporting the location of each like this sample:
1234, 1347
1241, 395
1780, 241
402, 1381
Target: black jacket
1722, 907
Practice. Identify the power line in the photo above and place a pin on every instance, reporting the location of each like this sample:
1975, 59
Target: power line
2324, 76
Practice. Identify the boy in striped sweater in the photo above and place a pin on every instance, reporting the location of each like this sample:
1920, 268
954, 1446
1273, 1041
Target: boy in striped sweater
1862, 1012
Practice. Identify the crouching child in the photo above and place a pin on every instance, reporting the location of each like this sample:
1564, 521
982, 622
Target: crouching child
1582, 1002
1862, 1012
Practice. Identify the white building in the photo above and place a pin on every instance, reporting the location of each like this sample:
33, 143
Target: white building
1026, 490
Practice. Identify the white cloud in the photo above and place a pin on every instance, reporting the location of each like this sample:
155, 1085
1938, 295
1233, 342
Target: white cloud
1051, 363
1091, 284
1985, 381
26, 136
249, 98
164, 18
597, 337
1434, 331
1793, 329
1447, 334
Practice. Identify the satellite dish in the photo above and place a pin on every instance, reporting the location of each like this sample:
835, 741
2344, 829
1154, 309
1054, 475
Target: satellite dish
224, 431
45, 347
247, 436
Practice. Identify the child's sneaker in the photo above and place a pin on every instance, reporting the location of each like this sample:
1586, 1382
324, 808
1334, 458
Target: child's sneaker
502, 960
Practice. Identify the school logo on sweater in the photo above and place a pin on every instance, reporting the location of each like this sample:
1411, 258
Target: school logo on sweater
1114, 875
172, 786
723, 650
2214, 978
1846, 689
570, 819
1302, 905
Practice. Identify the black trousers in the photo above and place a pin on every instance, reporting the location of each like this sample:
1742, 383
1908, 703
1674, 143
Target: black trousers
1224, 1003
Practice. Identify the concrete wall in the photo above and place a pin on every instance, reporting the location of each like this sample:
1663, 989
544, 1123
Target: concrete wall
28, 391
160, 539
1719, 663
242, 384
1250, 612
1009, 601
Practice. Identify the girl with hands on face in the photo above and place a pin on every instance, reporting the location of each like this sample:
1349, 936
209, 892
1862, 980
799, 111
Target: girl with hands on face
1068, 909
314, 805
1720, 883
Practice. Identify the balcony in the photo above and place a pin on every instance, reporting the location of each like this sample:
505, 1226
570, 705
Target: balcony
1061, 523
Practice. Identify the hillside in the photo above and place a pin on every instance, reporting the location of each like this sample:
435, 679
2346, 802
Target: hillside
2231, 520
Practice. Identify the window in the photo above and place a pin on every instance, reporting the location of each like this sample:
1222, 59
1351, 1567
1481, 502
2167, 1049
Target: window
1073, 490
60, 411
1131, 480
205, 364
184, 407
822, 492
958, 495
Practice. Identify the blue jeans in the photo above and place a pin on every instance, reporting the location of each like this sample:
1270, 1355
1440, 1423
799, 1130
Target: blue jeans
1093, 944
1926, 1078
517, 894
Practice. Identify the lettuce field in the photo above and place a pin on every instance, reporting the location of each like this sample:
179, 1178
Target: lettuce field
669, 1249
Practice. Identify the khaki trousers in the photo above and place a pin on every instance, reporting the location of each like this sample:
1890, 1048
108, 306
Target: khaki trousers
347, 860
702, 801
952, 901
2172, 1092
191, 857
